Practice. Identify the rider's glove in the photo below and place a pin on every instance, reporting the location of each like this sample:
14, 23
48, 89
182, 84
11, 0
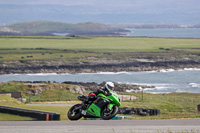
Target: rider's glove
101, 91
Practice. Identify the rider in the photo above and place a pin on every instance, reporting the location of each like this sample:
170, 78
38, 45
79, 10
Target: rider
108, 85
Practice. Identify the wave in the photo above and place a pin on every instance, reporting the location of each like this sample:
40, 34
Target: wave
166, 70
154, 71
122, 72
172, 70
10, 75
41, 74
148, 84
194, 85
159, 88
113, 73
159, 92
46, 74
133, 90
109, 73
189, 69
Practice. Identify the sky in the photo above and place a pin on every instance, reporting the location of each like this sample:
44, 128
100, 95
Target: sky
120, 5
185, 8
108, 3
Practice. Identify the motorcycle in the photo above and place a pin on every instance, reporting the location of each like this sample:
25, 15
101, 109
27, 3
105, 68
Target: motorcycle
105, 106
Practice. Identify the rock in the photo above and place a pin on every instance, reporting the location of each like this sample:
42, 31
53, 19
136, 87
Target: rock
77, 89
92, 86
47, 67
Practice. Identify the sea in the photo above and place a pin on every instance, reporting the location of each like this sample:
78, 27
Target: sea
164, 32
168, 32
165, 81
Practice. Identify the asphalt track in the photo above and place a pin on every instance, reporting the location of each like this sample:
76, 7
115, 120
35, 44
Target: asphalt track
102, 126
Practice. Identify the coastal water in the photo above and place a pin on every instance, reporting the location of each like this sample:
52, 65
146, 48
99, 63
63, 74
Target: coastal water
166, 81
174, 33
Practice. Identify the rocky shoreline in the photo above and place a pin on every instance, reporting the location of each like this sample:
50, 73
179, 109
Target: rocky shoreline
92, 86
100, 67
38, 87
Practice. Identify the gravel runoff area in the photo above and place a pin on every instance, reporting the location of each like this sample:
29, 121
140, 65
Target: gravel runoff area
102, 126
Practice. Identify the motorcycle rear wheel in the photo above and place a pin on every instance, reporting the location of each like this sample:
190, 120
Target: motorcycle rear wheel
74, 113
107, 114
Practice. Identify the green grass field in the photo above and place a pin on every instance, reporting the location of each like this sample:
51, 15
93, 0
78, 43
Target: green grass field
50, 91
74, 49
105, 44
175, 105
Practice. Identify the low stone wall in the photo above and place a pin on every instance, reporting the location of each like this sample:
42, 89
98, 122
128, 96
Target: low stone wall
127, 97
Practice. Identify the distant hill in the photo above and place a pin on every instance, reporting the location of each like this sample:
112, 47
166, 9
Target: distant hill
52, 28
85, 29
195, 26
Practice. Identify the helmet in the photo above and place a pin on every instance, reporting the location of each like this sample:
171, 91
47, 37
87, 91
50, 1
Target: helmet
109, 85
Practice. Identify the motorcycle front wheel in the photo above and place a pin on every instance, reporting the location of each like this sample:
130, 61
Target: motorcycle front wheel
74, 112
108, 114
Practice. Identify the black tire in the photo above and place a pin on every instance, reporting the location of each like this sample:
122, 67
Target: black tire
111, 113
73, 113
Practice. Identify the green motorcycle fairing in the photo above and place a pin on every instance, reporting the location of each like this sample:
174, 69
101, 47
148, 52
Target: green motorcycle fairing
94, 110
112, 100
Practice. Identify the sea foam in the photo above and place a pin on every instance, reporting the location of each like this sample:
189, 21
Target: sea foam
194, 85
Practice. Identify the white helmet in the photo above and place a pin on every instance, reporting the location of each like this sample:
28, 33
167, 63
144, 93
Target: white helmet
110, 85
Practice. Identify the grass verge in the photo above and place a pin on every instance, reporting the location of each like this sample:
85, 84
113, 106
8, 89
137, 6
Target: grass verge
172, 106
25, 48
